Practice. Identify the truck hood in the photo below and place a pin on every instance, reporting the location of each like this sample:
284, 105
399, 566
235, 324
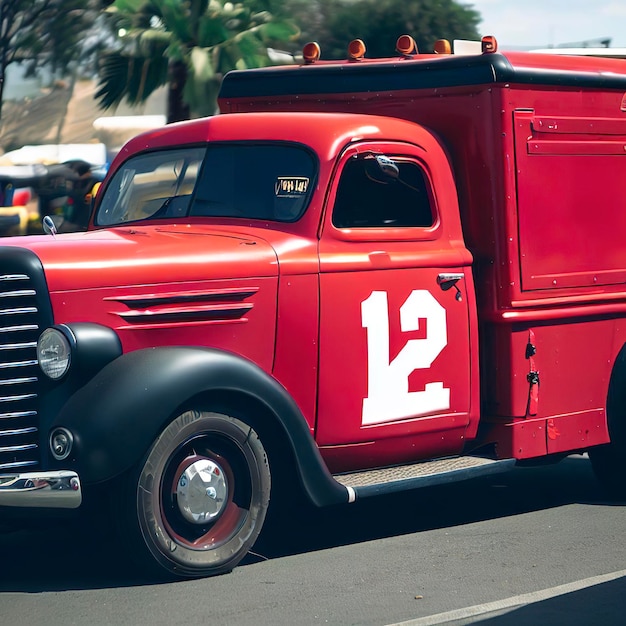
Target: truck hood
148, 254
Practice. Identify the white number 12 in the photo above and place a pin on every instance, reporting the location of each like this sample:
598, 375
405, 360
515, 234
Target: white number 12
388, 396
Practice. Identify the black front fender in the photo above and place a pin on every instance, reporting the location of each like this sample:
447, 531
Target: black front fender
118, 414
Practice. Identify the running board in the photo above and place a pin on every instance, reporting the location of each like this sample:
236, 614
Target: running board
375, 482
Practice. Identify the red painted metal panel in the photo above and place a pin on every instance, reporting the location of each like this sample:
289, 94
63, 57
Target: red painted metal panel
579, 125
151, 253
295, 363
404, 448
566, 148
574, 360
571, 209
518, 439
507, 384
576, 431
582, 66
251, 336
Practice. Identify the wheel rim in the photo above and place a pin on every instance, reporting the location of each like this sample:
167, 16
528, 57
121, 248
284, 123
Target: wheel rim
201, 490
208, 522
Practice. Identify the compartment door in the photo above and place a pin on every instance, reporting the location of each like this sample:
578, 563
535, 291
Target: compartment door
571, 200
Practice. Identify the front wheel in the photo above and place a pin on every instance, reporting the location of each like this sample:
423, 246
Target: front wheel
197, 503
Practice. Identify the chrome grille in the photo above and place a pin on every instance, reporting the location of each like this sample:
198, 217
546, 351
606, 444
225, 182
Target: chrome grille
19, 330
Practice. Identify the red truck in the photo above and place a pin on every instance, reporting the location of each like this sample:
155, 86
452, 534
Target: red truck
363, 276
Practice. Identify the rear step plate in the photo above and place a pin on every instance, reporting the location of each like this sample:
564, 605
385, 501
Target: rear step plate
389, 479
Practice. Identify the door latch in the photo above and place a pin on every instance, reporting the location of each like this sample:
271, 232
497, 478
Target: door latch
447, 281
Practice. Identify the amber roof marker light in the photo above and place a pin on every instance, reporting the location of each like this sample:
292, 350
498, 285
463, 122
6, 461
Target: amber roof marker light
406, 46
442, 46
311, 52
356, 50
489, 44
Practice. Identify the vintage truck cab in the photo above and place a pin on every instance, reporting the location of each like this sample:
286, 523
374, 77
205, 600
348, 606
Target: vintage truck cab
365, 276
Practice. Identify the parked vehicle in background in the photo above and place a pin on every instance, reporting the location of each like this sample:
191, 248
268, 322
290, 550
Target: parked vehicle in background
65, 193
15, 193
30, 192
363, 276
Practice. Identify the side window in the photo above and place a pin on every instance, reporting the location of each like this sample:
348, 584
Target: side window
369, 198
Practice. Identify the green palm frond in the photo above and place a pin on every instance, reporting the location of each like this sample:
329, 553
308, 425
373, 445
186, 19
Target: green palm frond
279, 31
130, 78
127, 6
150, 43
176, 19
211, 32
211, 37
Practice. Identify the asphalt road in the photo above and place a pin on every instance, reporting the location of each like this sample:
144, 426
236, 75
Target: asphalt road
534, 546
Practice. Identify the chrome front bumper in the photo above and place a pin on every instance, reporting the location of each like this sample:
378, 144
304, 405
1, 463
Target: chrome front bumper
57, 490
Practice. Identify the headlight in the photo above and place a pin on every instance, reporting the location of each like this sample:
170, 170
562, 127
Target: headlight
53, 353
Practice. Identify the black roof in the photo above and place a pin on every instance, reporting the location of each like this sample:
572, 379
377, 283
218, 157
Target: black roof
424, 73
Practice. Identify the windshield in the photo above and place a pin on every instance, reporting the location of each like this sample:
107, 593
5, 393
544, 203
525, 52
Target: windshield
253, 181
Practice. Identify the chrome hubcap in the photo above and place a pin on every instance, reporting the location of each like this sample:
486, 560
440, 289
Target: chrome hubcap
201, 492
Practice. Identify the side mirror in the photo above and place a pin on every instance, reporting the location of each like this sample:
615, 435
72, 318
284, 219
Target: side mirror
49, 227
387, 167
381, 169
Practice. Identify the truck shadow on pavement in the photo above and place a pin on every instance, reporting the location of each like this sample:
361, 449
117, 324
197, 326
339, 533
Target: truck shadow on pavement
67, 554
515, 492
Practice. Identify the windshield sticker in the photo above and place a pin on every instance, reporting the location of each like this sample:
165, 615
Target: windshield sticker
291, 186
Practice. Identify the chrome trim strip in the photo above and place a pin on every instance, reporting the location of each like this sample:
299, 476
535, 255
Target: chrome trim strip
351, 494
22, 448
11, 364
18, 346
18, 329
16, 464
22, 311
18, 431
59, 489
18, 381
14, 277
14, 414
26, 396
18, 293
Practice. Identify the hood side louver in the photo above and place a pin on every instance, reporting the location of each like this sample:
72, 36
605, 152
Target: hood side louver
212, 305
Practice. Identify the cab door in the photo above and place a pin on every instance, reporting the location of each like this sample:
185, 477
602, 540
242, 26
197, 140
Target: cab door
395, 292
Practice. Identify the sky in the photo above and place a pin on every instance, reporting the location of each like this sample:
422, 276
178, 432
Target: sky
543, 23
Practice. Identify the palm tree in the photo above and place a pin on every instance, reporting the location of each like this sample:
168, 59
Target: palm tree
188, 45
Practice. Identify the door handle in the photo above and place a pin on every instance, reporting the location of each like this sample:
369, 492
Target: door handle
447, 281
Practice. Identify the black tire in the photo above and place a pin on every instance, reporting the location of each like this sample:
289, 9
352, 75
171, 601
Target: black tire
609, 466
177, 525
609, 460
